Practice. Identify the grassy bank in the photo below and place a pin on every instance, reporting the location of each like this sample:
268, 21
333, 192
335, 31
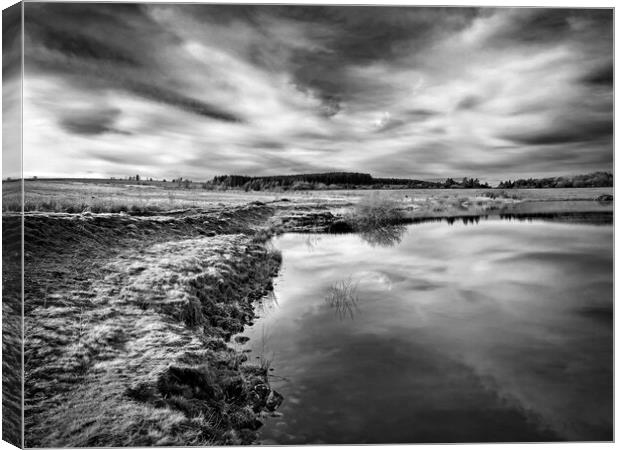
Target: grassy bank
127, 327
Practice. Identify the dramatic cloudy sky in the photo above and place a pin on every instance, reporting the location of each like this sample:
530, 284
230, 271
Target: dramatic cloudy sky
198, 90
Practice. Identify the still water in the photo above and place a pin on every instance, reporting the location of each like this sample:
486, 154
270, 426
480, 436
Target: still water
496, 331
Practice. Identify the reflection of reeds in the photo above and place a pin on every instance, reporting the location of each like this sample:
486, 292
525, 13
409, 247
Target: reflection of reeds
264, 357
342, 296
387, 236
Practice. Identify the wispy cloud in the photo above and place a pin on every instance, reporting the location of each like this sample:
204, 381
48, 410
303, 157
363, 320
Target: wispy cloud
197, 90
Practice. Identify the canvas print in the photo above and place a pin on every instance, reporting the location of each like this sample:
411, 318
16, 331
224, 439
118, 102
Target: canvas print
306, 224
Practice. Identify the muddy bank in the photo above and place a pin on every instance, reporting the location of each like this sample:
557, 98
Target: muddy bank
128, 321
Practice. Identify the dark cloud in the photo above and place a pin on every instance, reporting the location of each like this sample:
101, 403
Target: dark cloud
95, 30
331, 106
421, 114
80, 46
118, 158
269, 144
11, 41
535, 26
603, 75
91, 122
469, 102
192, 105
363, 35
111, 45
568, 131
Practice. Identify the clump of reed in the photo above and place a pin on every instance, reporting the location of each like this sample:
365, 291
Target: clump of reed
375, 211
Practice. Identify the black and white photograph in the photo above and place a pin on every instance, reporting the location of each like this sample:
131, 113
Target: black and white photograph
306, 224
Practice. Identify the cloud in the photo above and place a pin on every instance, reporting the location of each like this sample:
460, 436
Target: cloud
421, 114
91, 122
163, 95
80, 46
197, 90
603, 75
11, 41
11, 90
469, 102
565, 132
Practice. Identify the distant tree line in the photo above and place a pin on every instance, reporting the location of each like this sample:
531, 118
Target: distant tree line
596, 179
301, 181
465, 183
335, 180
355, 180
179, 182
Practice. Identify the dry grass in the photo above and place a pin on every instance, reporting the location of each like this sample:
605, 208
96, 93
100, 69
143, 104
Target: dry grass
118, 350
375, 211
126, 345
82, 196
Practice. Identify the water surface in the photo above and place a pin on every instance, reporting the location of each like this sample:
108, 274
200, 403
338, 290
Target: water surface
496, 331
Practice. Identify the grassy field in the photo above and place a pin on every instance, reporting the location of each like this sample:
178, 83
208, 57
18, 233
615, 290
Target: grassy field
133, 292
79, 196
124, 196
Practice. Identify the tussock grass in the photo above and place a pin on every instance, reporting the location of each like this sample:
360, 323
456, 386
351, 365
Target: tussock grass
375, 211
378, 219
